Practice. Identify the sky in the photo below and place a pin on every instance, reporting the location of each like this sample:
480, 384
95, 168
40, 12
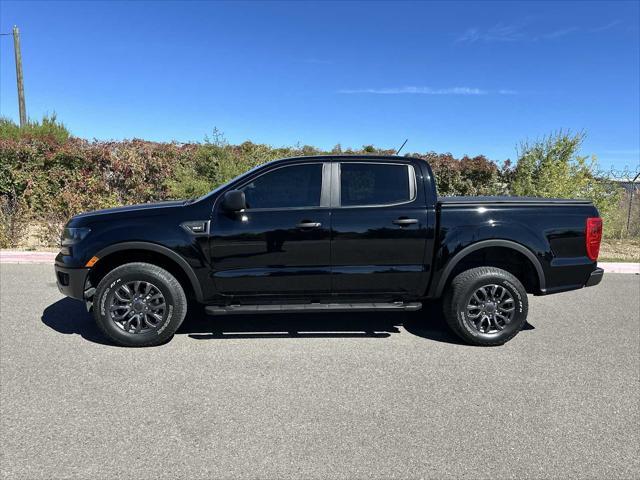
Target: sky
461, 77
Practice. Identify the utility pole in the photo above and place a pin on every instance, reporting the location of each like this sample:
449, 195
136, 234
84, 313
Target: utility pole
20, 80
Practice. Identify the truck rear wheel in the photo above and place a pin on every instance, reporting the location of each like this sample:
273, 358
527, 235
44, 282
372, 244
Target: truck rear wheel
486, 306
139, 305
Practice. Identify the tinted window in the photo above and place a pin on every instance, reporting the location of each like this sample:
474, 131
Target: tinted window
287, 187
373, 184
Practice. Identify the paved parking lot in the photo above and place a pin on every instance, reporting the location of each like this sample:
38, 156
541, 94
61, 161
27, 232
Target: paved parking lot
343, 396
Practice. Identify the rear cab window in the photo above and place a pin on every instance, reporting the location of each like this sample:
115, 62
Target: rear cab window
376, 184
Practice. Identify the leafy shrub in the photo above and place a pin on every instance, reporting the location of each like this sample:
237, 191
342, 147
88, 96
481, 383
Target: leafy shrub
552, 167
466, 176
47, 176
13, 221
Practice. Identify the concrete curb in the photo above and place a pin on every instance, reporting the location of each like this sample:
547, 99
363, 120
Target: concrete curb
620, 267
16, 256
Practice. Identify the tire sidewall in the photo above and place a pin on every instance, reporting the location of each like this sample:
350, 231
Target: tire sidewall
171, 319
519, 318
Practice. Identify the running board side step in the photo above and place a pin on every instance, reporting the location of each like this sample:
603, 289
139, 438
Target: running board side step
314, 307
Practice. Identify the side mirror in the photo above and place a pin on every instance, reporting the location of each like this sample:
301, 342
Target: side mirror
234, 201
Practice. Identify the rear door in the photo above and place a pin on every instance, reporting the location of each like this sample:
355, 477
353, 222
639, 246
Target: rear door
279, 245
379, 228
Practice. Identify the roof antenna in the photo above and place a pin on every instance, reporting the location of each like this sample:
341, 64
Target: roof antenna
402, 146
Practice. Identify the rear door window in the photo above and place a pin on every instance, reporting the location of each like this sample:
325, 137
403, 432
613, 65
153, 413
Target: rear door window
363, 184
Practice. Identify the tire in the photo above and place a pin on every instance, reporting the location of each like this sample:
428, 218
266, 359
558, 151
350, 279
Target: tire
154, 297
486, 320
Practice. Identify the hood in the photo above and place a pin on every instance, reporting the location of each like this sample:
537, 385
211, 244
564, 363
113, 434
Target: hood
131, 210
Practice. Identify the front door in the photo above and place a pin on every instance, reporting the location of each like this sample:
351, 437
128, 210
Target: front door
280, 244
379, 223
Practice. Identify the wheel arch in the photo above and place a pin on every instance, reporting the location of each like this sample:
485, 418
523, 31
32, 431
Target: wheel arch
126, 252
486, 245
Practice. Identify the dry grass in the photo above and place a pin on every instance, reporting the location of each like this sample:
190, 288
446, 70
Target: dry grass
627, 250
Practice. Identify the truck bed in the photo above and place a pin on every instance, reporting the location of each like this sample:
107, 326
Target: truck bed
530, 201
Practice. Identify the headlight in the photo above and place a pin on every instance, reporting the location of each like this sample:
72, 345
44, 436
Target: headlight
71, 236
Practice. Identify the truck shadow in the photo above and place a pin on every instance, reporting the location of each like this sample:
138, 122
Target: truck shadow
69, 316
427, 323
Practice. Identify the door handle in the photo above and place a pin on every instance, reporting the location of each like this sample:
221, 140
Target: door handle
309, 225
404, 222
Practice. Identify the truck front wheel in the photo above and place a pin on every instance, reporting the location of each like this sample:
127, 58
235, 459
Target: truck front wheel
139, 305
486, 306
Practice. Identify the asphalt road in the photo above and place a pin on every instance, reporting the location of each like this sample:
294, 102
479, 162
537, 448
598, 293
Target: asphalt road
340, 396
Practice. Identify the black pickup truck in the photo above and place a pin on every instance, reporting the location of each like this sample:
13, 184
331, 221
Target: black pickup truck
326, 234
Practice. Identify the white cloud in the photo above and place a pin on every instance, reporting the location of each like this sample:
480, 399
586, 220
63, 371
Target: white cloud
606, 26
559, 33
516, 33
426, 91
498, 33
418, 91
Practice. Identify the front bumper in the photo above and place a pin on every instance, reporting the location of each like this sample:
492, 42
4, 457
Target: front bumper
595, 278
71, 281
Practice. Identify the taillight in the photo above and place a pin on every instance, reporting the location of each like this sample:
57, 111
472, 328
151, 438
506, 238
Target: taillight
593, 237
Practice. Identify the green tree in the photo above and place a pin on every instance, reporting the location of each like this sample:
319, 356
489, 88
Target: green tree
553, 167
48, 128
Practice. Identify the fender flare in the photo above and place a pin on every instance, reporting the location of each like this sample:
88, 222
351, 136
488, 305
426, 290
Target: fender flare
154, 247
458, 257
